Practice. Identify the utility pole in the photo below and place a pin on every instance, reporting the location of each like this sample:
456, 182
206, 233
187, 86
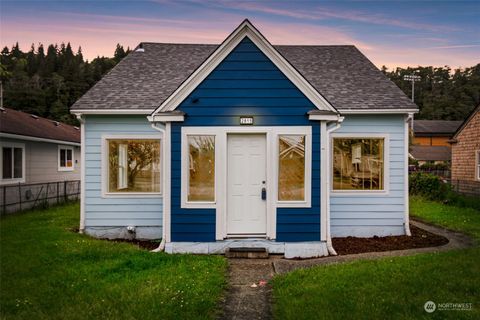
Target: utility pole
412, 78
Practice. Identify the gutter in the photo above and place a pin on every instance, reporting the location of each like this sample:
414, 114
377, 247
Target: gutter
406, 218
161, 247
330, 248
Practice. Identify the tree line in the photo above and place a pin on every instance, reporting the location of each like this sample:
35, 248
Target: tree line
441, 93
48, 83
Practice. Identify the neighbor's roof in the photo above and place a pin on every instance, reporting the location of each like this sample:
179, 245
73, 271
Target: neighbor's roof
24, 124
435, 127
431, 153
342, 74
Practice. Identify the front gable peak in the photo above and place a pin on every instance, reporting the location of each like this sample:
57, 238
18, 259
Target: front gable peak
244, 30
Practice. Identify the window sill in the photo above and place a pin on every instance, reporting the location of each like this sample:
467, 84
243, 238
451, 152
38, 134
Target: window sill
66, 169
198, 205
293, 204
132, 195
359, 193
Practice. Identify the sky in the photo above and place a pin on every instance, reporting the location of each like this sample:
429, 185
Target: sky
391, 33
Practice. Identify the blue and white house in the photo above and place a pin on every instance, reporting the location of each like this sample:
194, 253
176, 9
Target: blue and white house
244, 144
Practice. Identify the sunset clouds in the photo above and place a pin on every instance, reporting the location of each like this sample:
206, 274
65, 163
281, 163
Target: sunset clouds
394, 34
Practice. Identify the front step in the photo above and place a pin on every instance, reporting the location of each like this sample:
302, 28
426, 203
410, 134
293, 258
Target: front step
247, 253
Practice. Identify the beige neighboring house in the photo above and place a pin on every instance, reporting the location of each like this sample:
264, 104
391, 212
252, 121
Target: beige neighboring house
36, 149
466, 155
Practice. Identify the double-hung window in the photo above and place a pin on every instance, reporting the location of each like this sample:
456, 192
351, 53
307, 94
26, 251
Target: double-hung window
65, 158
359, 164
201, 168
132, 166
12, 162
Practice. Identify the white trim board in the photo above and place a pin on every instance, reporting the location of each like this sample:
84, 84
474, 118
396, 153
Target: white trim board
386, 164
219, 204
111, 111
29, 138
104, 165
245, 29
60, 168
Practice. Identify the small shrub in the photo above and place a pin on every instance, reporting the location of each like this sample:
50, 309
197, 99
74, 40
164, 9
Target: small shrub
428, 185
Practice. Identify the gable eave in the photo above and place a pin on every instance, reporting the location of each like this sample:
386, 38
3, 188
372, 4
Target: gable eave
245, 29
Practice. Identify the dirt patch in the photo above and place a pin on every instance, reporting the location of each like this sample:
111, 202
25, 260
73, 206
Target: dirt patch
420, 239
141, 244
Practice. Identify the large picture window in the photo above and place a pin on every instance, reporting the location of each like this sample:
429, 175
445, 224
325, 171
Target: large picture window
358, 164
12, 162
65, 158
291, 168
133, 165
201, 168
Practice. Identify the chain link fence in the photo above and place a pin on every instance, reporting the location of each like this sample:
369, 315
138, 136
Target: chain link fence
20, 197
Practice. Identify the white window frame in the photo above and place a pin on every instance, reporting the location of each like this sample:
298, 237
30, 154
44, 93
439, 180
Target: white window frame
12, 145
60, 168
221, 154
105, 166
477, 165
386, 163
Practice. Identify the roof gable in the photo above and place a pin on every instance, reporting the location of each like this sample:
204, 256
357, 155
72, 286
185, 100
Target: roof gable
466, 121
245, 30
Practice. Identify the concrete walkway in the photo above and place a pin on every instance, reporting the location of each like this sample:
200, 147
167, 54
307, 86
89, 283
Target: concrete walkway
248, 298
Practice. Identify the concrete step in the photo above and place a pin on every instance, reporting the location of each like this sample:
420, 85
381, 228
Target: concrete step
247, 253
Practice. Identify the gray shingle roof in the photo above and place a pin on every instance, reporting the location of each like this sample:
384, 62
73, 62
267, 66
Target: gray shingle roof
342, 74
435, 127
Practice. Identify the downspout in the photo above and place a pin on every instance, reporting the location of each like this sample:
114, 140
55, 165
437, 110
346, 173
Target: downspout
81, 119
406, 221
161, 247
330, 248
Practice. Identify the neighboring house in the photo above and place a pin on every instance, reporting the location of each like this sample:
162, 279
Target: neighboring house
36, 149
432, 154
245, 144
466, 155
434, 132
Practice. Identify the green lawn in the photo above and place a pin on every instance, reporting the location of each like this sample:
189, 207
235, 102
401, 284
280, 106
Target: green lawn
50, 272
393, 288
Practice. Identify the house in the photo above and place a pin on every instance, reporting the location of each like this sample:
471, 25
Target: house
432, 154
434, 132
431, 140
35, 149
466, 155
245, 144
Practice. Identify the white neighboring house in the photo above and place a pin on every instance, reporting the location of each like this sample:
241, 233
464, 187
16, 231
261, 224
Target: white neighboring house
37, 156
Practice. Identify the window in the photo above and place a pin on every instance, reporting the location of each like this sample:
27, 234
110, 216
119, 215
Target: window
65, 158
291, 168
358, 164
133, 165
13, 162
201, 168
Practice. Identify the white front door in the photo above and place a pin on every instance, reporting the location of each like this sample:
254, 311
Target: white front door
246, 177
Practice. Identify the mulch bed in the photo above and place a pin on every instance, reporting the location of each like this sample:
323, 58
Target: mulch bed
419, 239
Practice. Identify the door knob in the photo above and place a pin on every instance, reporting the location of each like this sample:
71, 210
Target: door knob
264, 193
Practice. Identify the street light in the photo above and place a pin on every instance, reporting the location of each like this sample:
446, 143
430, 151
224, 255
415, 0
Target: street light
412, 78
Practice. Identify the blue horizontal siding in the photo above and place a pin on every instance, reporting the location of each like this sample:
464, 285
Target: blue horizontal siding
115, 211
246, 82
373, 214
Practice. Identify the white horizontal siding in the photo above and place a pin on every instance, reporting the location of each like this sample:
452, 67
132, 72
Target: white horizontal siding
115, 211
367, 215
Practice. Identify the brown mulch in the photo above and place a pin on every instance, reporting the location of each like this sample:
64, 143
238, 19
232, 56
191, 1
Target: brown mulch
419, 239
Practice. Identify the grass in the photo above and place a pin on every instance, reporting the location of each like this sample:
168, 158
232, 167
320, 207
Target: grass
50, 272
393, 288
466, 220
